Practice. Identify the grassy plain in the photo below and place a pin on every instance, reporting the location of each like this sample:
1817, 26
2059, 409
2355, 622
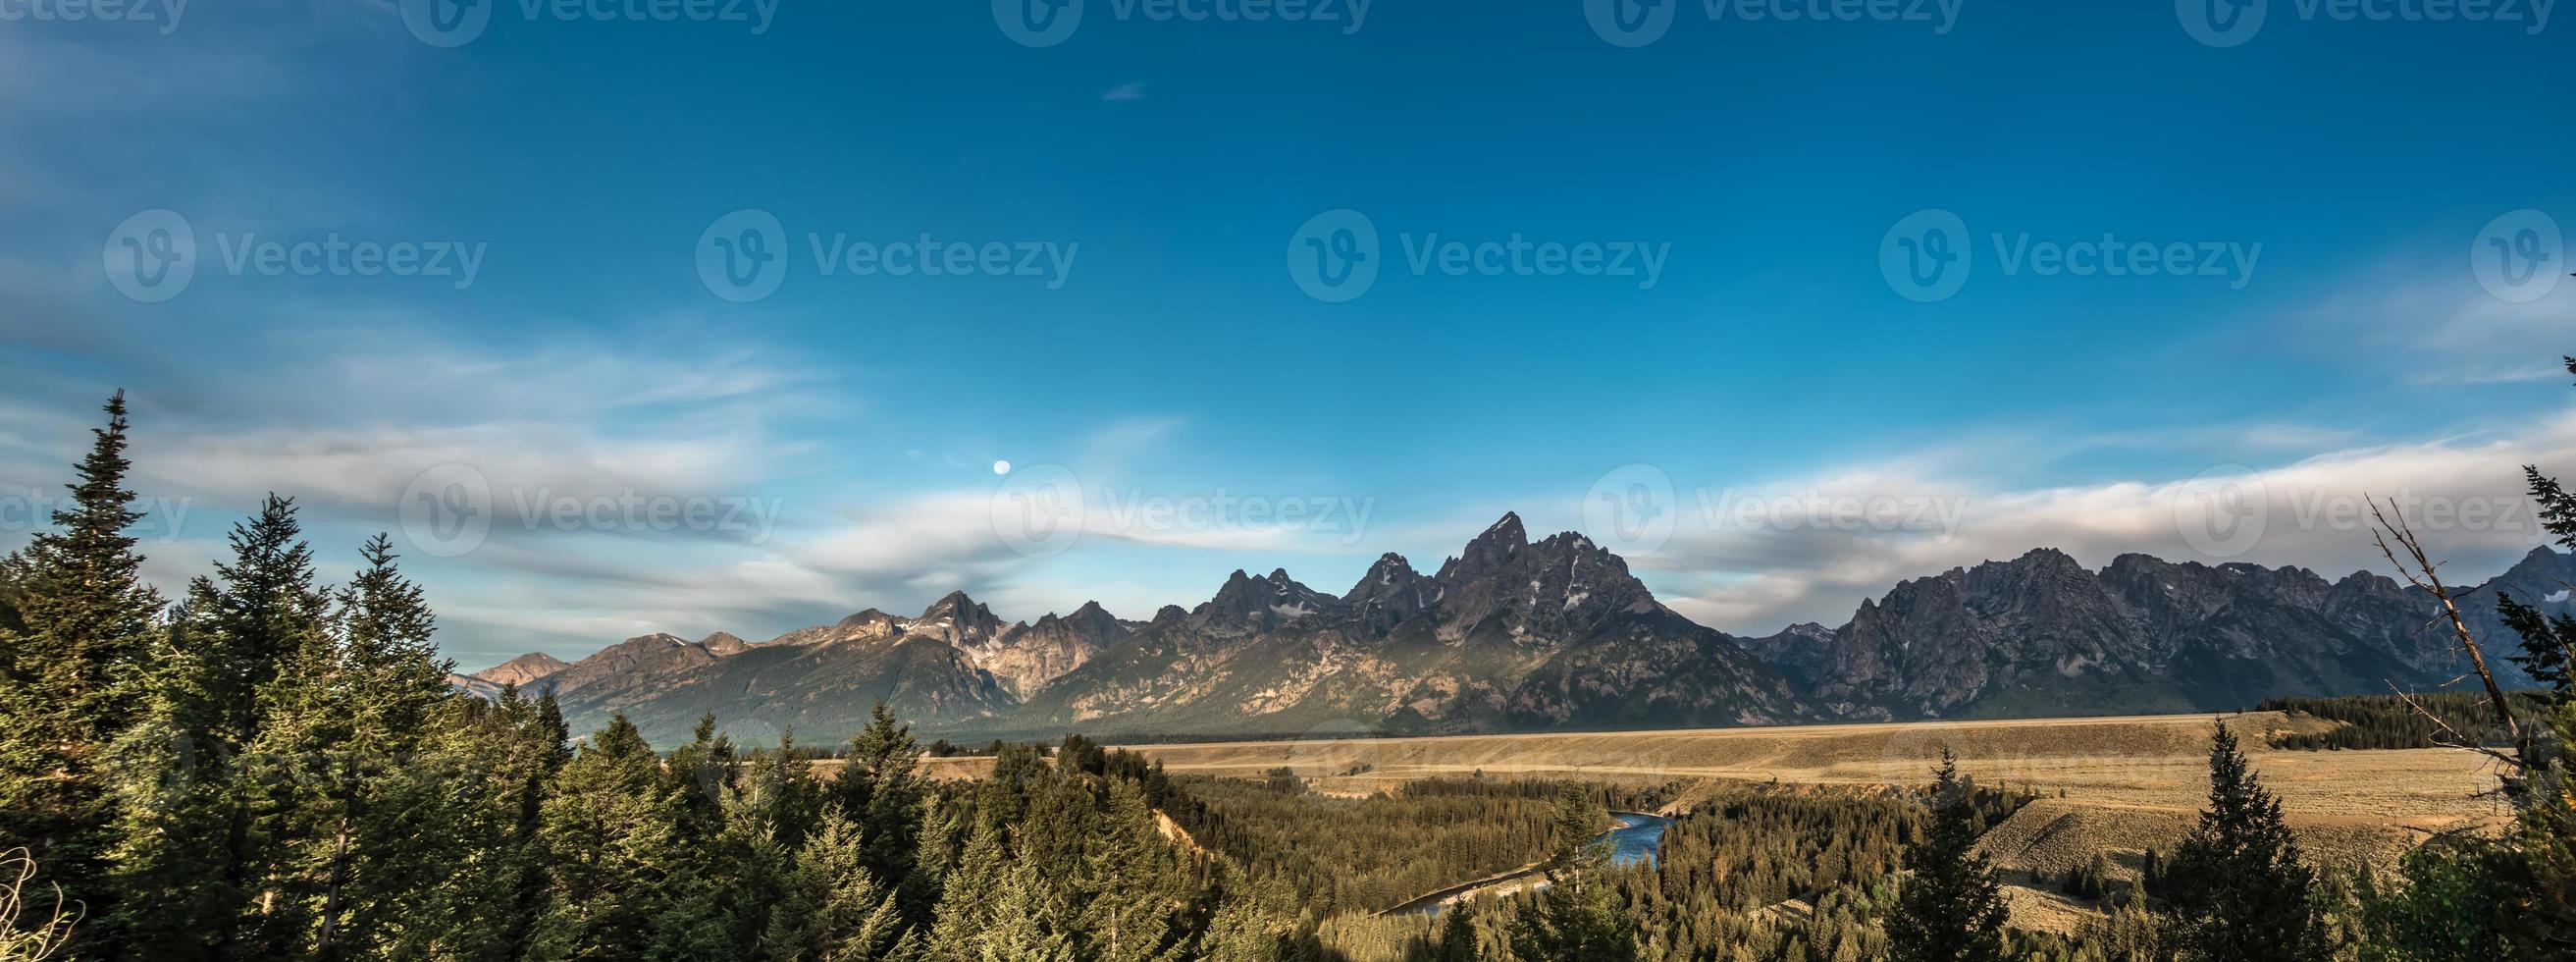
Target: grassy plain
2113, 786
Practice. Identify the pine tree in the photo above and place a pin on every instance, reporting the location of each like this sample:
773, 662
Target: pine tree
1951, 909
390, 685
76, 627
1130, 881
965, 905
192, 861
610, 829
2538, 867
1457, 936
1576, 917
831, 909
880, 787
2236, 886
1025, 925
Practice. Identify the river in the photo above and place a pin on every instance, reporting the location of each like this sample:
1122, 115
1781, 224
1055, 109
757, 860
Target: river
1636, 840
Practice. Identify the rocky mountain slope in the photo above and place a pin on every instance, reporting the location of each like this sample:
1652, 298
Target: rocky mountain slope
1517, 635
2042, 635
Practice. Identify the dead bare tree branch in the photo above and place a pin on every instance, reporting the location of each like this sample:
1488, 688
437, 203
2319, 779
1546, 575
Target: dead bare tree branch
2457, 740
2421, 571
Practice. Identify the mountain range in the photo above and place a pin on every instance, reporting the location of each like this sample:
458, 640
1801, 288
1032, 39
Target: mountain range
1516, 635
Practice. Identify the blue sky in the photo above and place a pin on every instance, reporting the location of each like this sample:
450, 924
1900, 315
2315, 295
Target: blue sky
1160, 176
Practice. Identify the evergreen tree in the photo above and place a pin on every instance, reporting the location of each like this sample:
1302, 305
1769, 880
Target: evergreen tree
881, 789
1131, 882
831, 909
966, 903
76, 625
1025, 925
1951, 909
394, 686
1576, 916
194, 863
1457, 936
2236, 886
610, 829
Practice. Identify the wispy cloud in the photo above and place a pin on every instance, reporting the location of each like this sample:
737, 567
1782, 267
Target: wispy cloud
1125, 91
1803, 557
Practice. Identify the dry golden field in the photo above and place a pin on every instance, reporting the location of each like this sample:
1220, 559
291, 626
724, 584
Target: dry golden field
2113, 786
2154, 763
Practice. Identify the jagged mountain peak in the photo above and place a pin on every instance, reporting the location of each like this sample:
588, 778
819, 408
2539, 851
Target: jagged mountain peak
959, 620
956, 604
1276, 597
1490, 551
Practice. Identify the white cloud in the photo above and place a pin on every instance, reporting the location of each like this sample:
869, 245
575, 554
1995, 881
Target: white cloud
2464, 495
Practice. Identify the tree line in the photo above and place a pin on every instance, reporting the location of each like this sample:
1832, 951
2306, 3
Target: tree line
2421, 720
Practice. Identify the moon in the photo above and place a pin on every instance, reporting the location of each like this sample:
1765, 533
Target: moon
1001, 467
